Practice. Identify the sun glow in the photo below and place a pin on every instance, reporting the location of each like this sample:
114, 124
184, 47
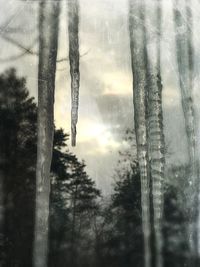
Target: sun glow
117, 83
99, 134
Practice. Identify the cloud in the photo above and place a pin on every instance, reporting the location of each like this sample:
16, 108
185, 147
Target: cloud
106, 101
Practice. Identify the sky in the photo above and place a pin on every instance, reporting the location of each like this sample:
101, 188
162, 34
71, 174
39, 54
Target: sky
106, 94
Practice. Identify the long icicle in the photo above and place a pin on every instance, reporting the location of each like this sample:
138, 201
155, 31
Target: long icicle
185, 72
195, 166
138, 60
48, 43
73, 30
156, 144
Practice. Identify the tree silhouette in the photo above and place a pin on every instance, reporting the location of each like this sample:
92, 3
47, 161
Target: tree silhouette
174, 230
18, 114
118, 226
74, 197
126, 203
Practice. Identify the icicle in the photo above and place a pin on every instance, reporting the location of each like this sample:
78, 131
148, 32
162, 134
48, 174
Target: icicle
155, 130
73, 25
137, 47
48, 43
184, 47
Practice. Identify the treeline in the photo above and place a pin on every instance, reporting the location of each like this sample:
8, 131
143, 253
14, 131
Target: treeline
85, 228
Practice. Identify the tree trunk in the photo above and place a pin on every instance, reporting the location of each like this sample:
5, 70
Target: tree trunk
73, 29
185, 69
137, 47
48, 39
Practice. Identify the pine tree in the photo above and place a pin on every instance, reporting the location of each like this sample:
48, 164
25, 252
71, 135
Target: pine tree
78, 200
18, 116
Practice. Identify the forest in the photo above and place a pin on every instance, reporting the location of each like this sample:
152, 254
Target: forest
120, 192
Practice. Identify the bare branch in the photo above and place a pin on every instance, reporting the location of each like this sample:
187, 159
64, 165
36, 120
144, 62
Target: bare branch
13, 58
67, 59
27, 50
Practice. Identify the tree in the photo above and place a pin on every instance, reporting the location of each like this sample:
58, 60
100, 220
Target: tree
48, 42
118, 223
74, 198
18, 114
175, 248
176, 194
126, 203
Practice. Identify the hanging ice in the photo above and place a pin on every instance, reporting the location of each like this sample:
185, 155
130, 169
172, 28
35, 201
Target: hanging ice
73, 28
